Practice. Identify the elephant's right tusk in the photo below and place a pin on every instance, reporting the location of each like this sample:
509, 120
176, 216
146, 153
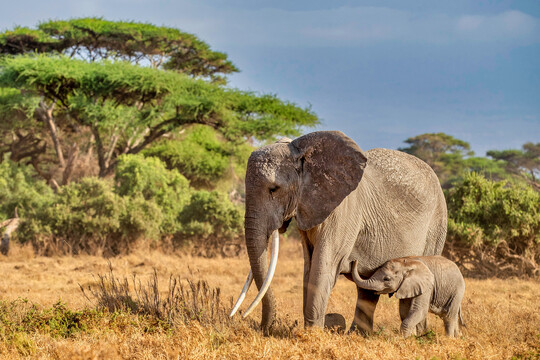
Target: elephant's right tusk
269, 275
243, 293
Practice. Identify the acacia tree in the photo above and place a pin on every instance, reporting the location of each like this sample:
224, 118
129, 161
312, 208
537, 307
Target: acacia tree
121, 87
443, 152
93, 39
126, 107
524, 163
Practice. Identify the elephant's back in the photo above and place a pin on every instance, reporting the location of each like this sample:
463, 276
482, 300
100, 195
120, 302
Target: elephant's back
405, 174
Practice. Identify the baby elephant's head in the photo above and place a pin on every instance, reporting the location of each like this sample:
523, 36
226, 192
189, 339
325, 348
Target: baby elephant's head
406, 277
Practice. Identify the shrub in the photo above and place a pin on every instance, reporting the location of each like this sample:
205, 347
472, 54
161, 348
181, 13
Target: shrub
200, 156
89, 217
486, 212
146, 178
19, 189
210, 215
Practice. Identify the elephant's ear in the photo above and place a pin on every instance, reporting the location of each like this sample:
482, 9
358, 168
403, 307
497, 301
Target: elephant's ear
331, 166
418, 280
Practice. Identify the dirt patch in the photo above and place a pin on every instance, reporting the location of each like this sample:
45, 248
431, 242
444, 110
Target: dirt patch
488, 262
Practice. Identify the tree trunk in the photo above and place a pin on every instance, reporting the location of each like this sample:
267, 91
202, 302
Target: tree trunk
72, 158
47, 116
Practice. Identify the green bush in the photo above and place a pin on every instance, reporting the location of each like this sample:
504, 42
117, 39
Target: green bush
19, 189
147, 178
485, 212
199, 156
146, 203
89, 217
210, 215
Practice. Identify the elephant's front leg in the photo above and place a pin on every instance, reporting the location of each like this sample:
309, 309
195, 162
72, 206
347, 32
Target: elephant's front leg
404, 308
321, 280
308, 250
365, 310
417, 314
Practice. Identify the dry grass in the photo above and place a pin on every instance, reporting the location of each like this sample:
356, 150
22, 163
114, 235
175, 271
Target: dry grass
502, 316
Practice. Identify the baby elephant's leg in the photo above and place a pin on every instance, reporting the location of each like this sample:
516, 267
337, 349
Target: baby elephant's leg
451, 326
421, 327
404, 308
416, 316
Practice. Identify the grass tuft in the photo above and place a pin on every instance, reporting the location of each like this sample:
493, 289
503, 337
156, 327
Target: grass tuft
183, 302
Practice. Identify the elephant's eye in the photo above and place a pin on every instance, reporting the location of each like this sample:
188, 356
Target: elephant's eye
386, 278
273, 189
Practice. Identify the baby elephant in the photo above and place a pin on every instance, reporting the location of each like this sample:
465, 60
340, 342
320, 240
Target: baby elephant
421, 283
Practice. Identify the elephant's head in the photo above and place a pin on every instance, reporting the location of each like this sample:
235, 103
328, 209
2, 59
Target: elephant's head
405, 277
306, 178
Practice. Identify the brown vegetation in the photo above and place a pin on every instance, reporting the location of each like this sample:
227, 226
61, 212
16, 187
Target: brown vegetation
502, 316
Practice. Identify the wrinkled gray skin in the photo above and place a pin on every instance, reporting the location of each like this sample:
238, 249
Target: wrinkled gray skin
349, 205
425, 283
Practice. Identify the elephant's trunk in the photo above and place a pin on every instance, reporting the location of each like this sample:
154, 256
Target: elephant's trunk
368, 284
269, 275
256, 242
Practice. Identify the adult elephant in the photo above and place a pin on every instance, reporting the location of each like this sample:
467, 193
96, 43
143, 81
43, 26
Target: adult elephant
349, 206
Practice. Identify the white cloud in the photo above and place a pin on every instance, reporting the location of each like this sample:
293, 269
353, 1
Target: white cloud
352, 26
507, 26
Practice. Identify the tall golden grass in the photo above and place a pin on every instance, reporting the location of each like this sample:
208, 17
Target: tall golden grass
502, 316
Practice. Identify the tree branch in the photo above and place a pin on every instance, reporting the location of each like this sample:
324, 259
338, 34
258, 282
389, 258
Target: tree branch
45, 113
100, 151
112, 147
72, 158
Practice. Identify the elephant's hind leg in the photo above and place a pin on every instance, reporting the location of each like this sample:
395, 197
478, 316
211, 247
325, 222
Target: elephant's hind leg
365, 310
451, 325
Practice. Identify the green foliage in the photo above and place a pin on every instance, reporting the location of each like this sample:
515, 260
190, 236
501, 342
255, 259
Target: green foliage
97, 39
89, 79
266, 117
525, 163
146, 178
444, 153
21, 39
147, 203
452, 159
15, 106
200, 155
431, 146
19, 189
210, 215
137, 106
89, 217
484, 212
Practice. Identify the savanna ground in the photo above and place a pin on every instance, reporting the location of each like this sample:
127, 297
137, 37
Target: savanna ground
502, 316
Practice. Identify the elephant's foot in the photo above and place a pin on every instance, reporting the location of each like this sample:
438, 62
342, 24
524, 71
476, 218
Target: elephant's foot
314, 323
363, 329
407, 330
335, 322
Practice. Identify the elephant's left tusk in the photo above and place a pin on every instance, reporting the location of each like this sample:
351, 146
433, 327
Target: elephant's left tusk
243, 293
269, 275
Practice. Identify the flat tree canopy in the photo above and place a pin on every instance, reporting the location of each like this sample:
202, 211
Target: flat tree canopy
112, 88
97, 39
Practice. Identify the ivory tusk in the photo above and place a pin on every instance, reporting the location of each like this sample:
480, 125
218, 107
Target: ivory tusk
243, 293
269, 275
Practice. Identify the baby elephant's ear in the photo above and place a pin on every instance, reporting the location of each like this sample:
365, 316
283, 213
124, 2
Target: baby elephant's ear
418, 279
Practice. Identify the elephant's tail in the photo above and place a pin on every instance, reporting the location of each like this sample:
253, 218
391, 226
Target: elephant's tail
461, 323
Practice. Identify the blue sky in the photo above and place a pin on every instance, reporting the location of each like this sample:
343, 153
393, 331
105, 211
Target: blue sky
380, 71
